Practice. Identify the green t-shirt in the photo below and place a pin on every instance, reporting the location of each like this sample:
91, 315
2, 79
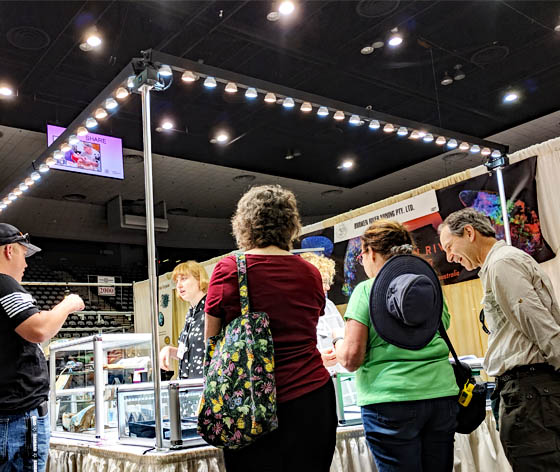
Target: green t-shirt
392, 374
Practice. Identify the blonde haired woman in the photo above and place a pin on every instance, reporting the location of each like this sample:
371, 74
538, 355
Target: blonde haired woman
192, 284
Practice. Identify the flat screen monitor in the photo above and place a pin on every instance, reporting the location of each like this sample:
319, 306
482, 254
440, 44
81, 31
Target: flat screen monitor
95, 154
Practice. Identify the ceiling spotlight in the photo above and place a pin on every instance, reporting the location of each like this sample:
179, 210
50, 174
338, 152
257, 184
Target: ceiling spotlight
288, 103
12, 196
23, 187
485, 151
58, 155
210, 82
165, 71
388, 128
17, 191
111, 104
270, 98
306, 107
428, 138
464, 146
167, 125
378, 44
366, 50
475, 148
221, 137
121, 93
396, 38
29, 181
93, 39
286, 8
35, 176
6, 91
82, 131
322, 111
347, 164
355, 120
374, 124
65, 147
447, 80
339, 115
231, 87
402, 131
49, 161
91, 122
189, 76
273, 16
459, 73
452, 143
100, 113
251, 93
43, 168
440, 141
511, 96
496, 153
415, 134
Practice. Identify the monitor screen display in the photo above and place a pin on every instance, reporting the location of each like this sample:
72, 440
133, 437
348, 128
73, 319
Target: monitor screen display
95, 154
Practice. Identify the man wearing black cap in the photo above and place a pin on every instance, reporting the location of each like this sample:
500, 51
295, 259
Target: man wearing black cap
24, 383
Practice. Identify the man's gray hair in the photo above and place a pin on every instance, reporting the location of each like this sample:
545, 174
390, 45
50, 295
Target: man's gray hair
457, 221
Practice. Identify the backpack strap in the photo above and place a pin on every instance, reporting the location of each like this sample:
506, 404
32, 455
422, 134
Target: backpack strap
241, 262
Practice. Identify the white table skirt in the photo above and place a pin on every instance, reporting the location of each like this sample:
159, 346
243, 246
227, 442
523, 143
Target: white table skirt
480, 451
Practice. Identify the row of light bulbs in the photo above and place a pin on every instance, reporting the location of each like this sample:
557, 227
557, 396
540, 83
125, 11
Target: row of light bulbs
100, 113
339, 115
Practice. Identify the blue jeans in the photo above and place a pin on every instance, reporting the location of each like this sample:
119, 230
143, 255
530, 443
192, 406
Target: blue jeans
412, 436
14, 447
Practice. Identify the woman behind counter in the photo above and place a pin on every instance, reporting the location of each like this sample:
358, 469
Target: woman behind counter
192, 285
290, 291
408, 395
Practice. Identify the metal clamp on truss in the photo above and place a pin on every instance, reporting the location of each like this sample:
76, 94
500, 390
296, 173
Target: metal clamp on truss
494, 163
147, 73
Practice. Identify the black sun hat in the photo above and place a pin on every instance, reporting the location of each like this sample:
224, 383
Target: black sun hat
406, 302
10, 235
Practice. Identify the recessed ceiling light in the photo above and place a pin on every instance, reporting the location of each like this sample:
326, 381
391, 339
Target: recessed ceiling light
378, 44
94, 40
395, 39
221, 137
511, 96
459, 74
366, 50
447, 79
286, 8
273, 16
167, 125
348, 164
74, 197
6, 91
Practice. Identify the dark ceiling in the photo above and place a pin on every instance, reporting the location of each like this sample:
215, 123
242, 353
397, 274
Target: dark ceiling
498, 45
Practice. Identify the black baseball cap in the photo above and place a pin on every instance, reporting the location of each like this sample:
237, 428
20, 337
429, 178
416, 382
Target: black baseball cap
10, 235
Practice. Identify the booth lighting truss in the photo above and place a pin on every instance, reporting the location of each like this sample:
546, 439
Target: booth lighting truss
147, 70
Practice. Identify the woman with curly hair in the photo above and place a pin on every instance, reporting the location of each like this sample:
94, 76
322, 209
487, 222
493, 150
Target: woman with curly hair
290, 291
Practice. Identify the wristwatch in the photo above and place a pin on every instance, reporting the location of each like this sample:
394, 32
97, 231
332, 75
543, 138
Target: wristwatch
335, 340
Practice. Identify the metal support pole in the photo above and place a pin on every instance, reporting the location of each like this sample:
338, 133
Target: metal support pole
99, 386
176, 436
150, 234
505, 216
52, 394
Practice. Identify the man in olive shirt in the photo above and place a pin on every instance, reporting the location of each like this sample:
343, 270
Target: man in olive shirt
524, 342
24, 383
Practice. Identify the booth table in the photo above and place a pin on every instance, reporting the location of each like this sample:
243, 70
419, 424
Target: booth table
480, 451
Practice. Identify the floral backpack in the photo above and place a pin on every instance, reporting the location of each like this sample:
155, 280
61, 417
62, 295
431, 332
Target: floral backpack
238, 402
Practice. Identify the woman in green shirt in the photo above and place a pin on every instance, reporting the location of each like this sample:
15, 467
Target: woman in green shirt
408, 397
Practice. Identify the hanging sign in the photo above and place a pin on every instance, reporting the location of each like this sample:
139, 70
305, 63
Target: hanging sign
403, 211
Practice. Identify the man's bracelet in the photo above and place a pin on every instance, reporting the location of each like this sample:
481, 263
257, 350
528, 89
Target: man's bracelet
335, 340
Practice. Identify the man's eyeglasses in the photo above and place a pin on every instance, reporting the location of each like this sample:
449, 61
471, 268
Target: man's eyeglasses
361, 257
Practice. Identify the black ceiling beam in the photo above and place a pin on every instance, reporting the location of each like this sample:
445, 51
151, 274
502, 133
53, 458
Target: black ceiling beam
181, 64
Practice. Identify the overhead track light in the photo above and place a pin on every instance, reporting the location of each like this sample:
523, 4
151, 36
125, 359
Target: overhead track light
440, 141
121, 93
374, 124
82, 131
189, 76
339, 115
165, 71
355, 120
322, 111
286, 8
447, 80
388, 128
395, 39
231, 87
428, 138
91, 122
100, 113
270, 98
306, 107
464, 146
459, 73
402, 131
288, 103
251, 93
6, 91
210, 82
452, 143
475, 148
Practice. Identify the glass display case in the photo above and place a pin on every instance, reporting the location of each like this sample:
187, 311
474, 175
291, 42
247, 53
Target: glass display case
179, 410
347, 408
84, 375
